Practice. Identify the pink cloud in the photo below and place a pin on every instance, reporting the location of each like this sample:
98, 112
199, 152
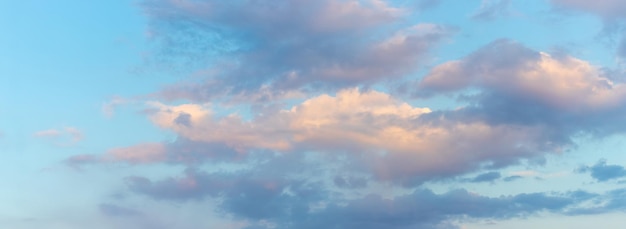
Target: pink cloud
386, 135
48, 133
66, 136
137, 154
553, 81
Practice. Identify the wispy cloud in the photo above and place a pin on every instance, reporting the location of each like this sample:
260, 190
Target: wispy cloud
66, 136
492, 9
613, 14
51, 133
604, 8
109, 107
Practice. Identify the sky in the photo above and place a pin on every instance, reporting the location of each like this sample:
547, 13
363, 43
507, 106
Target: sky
255, 114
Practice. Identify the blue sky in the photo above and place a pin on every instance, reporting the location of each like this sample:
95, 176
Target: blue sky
431, 114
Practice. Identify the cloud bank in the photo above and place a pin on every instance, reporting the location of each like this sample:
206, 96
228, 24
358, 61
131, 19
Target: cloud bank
331, 134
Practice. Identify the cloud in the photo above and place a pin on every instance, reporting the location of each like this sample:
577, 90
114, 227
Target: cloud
612, 12
512, 178
138, 154
603, 172
51, 133
181, 151
301, 163
184, 188
144, 153
492, 9
109, 107
244, 194
486, 177
425, 209
320, 162
514, 84
612, 201
283, 129
296, 203
350, 182
64, 137
604, 8
387, 137
425, 4
289, 45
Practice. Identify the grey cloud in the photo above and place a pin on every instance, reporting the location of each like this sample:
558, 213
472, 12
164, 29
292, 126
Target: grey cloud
189, 152
616, 200
486, 177
290, 45
295, 203
425, 209
293, 187
614, 74
244, 195
612, 201
266, 174
603, 172
492, 60
350, 182
192, 186
502, 70
604, 8
251, 199
512, 178
183, 119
